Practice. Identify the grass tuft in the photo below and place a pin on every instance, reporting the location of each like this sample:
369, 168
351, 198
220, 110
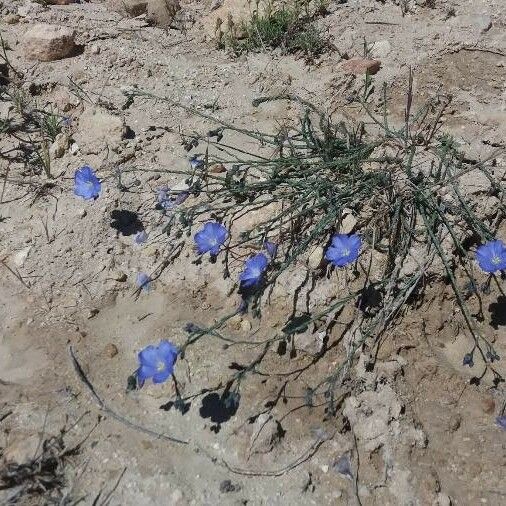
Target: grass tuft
288, 27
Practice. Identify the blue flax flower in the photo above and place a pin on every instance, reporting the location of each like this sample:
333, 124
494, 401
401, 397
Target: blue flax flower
501, 422
491, 256
210, 238
86, 183
143, 281
196, 163
344, 249
254, 269
156, 362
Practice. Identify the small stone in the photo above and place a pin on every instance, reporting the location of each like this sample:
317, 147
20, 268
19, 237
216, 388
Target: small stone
455, 422
325, 468
49, 42
218, 168
81, 213
111, 350
95, 49
443, 500
119, 276
315, 258
19, 258
381, 48
246, 326
93, 312
11, 19
74, 148
59, 146
359, 66
488, 405
348, 224
227, 486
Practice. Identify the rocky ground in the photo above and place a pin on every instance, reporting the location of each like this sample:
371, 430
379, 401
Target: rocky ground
415, 432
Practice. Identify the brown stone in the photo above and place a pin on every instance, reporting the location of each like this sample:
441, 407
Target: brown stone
217, 168
49, 42
488, 405
361, 66
111, 350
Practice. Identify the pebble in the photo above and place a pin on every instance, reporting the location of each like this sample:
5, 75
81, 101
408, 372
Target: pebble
315, 258
81, 213
119, 276
455, 422
217, 168
382, 48
348, 224
488, 405
359, 66
93, 312
111, 350
443, 500
95, 49
59, 146
46, 42
11, 19
246, 326
227, 486
324, 468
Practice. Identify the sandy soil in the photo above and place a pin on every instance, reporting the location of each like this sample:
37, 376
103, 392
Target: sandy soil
420, 433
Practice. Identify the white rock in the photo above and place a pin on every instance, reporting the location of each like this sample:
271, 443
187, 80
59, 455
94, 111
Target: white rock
381, 48
315, 258
19, 258
49, 42
59, 146
348, 224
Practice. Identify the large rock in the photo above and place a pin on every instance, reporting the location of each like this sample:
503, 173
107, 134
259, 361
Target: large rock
131, 8
49, 42
162, 12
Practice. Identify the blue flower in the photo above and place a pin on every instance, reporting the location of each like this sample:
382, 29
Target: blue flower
196, 163
210, 238
491, 256
501, 422
141, 237
162, 195
143, 281
86, 183
254, 269
344, 249
271, 248
156, 362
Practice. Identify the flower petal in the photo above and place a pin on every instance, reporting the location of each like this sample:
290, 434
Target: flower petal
148, 356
